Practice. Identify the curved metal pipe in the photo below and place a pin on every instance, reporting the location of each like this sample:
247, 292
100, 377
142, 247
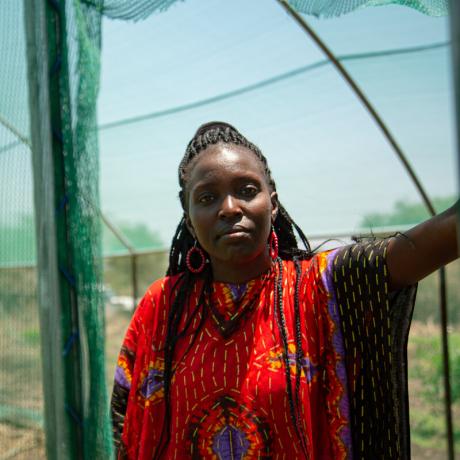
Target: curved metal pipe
361, 96
16, 132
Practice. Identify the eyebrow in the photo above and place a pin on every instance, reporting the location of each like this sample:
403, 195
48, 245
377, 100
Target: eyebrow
247, 177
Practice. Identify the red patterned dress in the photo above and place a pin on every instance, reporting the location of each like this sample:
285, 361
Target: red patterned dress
228, 392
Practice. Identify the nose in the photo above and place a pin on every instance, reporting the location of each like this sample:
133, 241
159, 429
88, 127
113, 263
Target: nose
230, 207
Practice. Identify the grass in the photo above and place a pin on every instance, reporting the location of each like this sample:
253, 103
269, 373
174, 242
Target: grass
426, 388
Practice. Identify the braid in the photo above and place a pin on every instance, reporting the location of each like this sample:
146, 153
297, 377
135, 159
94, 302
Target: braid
207, 135
175, 314
294, 406
299, 356
182, 241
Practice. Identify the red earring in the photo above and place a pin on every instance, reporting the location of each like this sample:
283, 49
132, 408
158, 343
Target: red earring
195, 252
273, 244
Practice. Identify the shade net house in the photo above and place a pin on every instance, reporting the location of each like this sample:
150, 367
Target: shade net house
352, 101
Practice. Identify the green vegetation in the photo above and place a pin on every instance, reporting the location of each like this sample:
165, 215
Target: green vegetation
17, 241
18, 247
427, 304
32, 336
137, 234
427, 417
118, 272
406, 213
429, 366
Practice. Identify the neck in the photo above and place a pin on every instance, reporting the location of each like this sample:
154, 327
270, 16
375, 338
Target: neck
238, 273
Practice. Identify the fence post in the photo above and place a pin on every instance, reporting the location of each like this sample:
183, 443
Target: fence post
134, 279
55, 302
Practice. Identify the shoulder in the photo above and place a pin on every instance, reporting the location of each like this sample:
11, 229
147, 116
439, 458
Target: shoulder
308, 271
359, 265
328, 266
364, 252
163, 286
367, 254
314, 265
158, 295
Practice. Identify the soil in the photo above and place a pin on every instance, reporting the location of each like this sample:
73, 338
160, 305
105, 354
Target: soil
21, 443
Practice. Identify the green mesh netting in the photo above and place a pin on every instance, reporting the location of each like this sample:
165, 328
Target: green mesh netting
66, 182
141, 9
21, 402
81, 251
330, 8
126, 9
82, 220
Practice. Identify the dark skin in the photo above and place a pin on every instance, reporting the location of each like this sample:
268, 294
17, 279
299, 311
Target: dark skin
230, 208
423, 249
230, 211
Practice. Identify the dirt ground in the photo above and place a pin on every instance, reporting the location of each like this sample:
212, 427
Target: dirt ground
21, 443
422, 453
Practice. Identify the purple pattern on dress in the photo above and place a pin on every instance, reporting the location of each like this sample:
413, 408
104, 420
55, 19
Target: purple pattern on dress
121, 379
152, 383
308, 367
337, 342
237, 291
230, 443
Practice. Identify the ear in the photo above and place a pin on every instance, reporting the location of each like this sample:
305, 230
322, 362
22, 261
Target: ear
274, 200
189, 225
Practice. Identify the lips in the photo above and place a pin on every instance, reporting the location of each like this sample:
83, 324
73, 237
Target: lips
235, 230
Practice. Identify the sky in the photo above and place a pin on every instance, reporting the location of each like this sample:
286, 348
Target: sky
332, 165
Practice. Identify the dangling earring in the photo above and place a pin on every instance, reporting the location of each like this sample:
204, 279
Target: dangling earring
273, 244
195, 251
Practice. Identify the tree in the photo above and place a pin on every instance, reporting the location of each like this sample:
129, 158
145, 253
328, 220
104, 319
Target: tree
139, 235
406, 213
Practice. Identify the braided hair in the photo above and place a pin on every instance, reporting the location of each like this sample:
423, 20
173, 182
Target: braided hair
210, 134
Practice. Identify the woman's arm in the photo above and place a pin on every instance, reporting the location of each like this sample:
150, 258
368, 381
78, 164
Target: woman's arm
423, 249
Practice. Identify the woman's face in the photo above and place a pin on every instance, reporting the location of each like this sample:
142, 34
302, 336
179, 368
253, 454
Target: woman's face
230, 209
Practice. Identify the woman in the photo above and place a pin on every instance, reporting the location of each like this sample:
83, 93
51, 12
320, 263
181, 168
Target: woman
253, 348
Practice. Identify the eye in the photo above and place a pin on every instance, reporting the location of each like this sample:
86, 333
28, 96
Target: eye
249, 191
205, 198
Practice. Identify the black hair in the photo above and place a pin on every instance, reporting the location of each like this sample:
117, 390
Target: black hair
210, 134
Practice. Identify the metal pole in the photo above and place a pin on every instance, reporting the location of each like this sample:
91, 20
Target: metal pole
455, 38
361, 96
446, 367
132, 252
45, 25
134, 279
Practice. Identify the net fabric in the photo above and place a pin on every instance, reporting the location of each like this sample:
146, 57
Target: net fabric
126, 9
331, 8
141, 9
79, 83
21, 403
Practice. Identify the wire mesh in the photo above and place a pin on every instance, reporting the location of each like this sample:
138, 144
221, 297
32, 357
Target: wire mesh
21, 400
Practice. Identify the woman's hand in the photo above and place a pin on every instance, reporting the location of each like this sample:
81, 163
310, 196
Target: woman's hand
423, 249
